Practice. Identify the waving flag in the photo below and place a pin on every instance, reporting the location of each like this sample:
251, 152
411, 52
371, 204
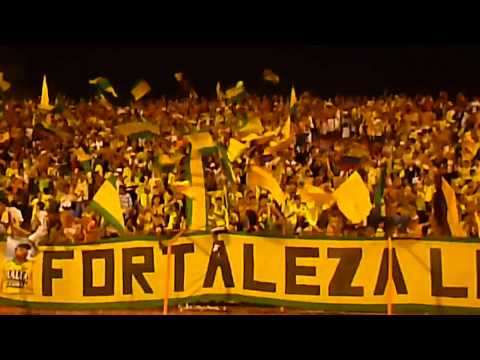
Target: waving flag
4, 85
253, 125
293, 100
353, 199
235, 149
269, 75
257, 176
140, 89
452, 211
220, 94
139, 129
107, 203
103, 85
44, 101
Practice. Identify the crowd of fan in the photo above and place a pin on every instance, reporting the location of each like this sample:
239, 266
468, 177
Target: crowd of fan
46, 189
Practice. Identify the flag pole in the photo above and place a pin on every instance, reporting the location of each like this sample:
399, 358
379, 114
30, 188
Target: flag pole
390, 277
167, 276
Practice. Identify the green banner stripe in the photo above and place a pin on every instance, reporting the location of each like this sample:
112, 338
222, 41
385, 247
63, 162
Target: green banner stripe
259, 301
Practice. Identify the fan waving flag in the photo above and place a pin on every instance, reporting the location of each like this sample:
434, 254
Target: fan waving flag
103, 85
141, 89
107, 203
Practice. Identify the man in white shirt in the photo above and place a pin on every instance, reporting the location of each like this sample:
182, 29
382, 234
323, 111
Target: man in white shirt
12, 218
42, 230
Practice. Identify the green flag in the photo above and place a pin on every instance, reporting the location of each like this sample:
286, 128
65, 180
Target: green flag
380, 186
103, 85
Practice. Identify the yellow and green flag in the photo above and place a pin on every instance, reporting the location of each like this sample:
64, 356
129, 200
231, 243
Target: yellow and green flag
103, 85
353, 199
140, 89
107, 203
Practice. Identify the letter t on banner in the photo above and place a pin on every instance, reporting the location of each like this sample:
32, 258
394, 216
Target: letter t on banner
168, 272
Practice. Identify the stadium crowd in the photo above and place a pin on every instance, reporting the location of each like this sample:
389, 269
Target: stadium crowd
52, 163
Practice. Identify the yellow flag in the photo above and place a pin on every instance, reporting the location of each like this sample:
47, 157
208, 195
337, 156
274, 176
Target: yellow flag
220, 93
265, 138
107, 202
141, 89
185, 188
44, 101
257, 176
235, 91
293, 98
178, 76
105, 103
82, 155
275, 147
269, 75
201, 140
316, 195
452, 211
253, 125
286, 128
4, 85
235, 149
353, 199
136, 128
4, 137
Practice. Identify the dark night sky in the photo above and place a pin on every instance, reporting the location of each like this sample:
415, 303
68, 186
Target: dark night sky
325, 70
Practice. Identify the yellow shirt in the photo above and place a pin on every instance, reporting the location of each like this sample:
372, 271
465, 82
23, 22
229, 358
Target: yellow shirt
145, 199
429, 191
17, 278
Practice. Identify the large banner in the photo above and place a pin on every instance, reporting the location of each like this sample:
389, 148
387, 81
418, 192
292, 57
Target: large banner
347, 275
